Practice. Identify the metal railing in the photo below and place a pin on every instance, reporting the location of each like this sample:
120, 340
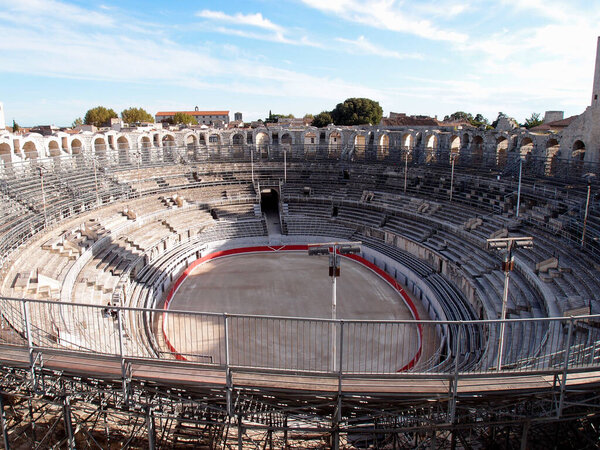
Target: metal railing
371, 348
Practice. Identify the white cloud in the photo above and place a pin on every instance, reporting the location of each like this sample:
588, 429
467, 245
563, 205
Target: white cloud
362, 46
253, 20
386, 15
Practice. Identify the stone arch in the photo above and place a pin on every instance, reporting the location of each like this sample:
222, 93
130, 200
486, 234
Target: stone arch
286, 139
5, 152
465, 141
552, 155
526, 148
501, 151
168, 140
431, 144
407, 145
383, 147
578, 156
191, 141
145, 143
30, 150
262, 143
123, 143
334, 144
310, 143
454, 142
360, 145
578, 150
53, 148
76, 146
237, 142
99, 145
477, 150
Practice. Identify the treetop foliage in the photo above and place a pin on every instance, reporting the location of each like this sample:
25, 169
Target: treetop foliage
98, 116
136, 115
322, 119
533, 121
357, 111
477, 120
186, 119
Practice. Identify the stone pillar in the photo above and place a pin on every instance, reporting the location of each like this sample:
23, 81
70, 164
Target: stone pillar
596, 87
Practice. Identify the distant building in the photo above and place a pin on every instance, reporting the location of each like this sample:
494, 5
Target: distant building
238, 116
215, 118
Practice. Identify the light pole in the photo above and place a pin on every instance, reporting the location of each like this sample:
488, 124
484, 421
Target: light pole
519, 188
285, 165
334, 250
508, 244
43, 197
96, 181
452, 158
405, 169
587, 209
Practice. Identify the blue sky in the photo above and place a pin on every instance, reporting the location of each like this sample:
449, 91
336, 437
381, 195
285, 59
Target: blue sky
433, 57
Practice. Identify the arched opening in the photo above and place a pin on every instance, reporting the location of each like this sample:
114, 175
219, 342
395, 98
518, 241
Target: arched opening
202, 140
310, 144
431, 143
190, 141
214, 143
146, 144
526, 148
99, 146
30, 150
501, 151
552, 155
359, 146
168, 141
407, 145
269, 201
578, 156
76, 146
53, 148
454, 148
383, 149
477, 150
5, 152
123, 143
262, 144
238, 145
335, 145
578, 153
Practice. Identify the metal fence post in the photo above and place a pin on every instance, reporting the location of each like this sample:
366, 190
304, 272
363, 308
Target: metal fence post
27, 321
563, 381
454, 381
227, 369
68, 423
3, 424
121, 354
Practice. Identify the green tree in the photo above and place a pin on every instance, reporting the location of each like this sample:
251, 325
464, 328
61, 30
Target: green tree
322, 119
459, 115
274, 118
357, 111
77, 122
15, 127
98, 116
479, 120
136, 115
533, 121
308, 116
186, 119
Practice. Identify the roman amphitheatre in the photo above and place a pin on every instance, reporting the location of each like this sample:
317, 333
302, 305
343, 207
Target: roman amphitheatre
160, 287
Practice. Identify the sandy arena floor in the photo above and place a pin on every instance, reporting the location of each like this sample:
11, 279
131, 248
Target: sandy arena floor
294, 285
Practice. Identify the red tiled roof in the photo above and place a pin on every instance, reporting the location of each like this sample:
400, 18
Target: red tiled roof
194, 113
556, 125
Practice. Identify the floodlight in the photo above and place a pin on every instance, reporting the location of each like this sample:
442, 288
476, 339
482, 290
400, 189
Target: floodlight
318, 251
349, 249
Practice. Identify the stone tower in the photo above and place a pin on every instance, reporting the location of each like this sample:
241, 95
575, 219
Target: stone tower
2, 123
596, 89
